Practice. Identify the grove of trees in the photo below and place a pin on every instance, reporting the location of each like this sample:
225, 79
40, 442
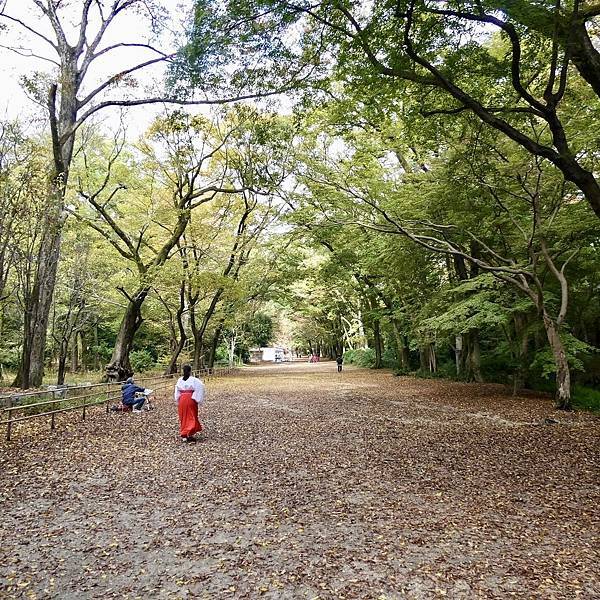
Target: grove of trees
412, 183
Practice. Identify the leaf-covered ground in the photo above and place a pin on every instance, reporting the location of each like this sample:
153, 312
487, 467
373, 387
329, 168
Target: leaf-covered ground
307, 484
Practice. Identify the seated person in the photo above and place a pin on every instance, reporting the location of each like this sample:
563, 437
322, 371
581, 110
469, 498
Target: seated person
129, 390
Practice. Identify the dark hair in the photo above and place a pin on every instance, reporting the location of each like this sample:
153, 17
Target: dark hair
187, 371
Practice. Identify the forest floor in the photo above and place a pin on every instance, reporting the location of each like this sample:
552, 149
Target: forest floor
307, 483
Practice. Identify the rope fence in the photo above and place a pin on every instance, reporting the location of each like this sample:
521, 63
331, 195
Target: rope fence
26, 406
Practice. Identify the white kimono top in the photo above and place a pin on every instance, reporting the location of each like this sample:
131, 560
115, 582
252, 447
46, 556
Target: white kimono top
191, 383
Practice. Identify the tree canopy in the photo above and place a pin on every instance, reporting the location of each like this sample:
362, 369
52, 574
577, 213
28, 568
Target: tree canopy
414, 184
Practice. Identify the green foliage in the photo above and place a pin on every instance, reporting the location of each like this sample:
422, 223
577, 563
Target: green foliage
389, 358
360, 216
360, 357
259, 330
9, 358
585, 398
104, 350
574, 349
141, 361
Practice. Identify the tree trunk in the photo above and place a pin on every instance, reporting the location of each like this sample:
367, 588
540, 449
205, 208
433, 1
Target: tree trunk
401, 354
522, 346
584, 55
172, 368
96, 356
475, 356
39, 301
199, 333
362, 331
119, 367
62, 362
431, 355
423, 358
378, 344
22, 378
75, 353
215, 344
563, 374
232, 345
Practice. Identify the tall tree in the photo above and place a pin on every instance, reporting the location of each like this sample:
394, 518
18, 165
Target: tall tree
70, 96
185, 162
442, 53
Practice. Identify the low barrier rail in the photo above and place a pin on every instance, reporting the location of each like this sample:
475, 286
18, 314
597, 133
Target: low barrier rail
25, 406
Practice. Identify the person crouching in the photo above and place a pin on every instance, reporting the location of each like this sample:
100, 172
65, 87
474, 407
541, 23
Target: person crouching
129, 390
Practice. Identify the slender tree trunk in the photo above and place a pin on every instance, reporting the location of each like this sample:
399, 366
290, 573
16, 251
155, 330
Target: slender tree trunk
423, 358
194, 328
75, 353
403, 356
180, 343
475, 356
119, 367
362, 331
96, 356
431, 355
377, 342
22, 378
522, 345
84, 358
215, 344
62, 362
405, 353
231, 349
199, 333
563, 373
172, 368
399, 344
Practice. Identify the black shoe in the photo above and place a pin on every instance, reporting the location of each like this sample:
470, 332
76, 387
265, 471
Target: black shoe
189, 439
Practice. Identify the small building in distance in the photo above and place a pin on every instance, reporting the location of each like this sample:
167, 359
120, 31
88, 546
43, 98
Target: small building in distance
271, 354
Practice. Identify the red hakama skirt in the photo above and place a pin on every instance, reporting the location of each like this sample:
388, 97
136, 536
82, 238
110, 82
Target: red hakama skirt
188, 414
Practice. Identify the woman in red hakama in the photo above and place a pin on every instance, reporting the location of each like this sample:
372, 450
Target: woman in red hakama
189, 393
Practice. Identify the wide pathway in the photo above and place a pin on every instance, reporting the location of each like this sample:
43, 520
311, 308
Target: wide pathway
308, 484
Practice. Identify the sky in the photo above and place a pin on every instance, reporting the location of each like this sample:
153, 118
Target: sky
131, 28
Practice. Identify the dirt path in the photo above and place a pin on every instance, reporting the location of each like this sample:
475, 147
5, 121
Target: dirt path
309, 484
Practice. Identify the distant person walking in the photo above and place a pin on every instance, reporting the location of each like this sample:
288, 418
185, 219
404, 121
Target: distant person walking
189, 393
340, 361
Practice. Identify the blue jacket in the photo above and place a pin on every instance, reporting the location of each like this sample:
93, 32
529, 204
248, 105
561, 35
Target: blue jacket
129, 390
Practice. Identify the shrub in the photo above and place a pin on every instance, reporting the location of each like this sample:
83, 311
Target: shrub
361, 357
10, 358
389, 358
585, 398
403, 372
141, 360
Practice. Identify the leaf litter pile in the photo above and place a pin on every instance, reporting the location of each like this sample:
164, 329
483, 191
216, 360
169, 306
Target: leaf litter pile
307, 483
